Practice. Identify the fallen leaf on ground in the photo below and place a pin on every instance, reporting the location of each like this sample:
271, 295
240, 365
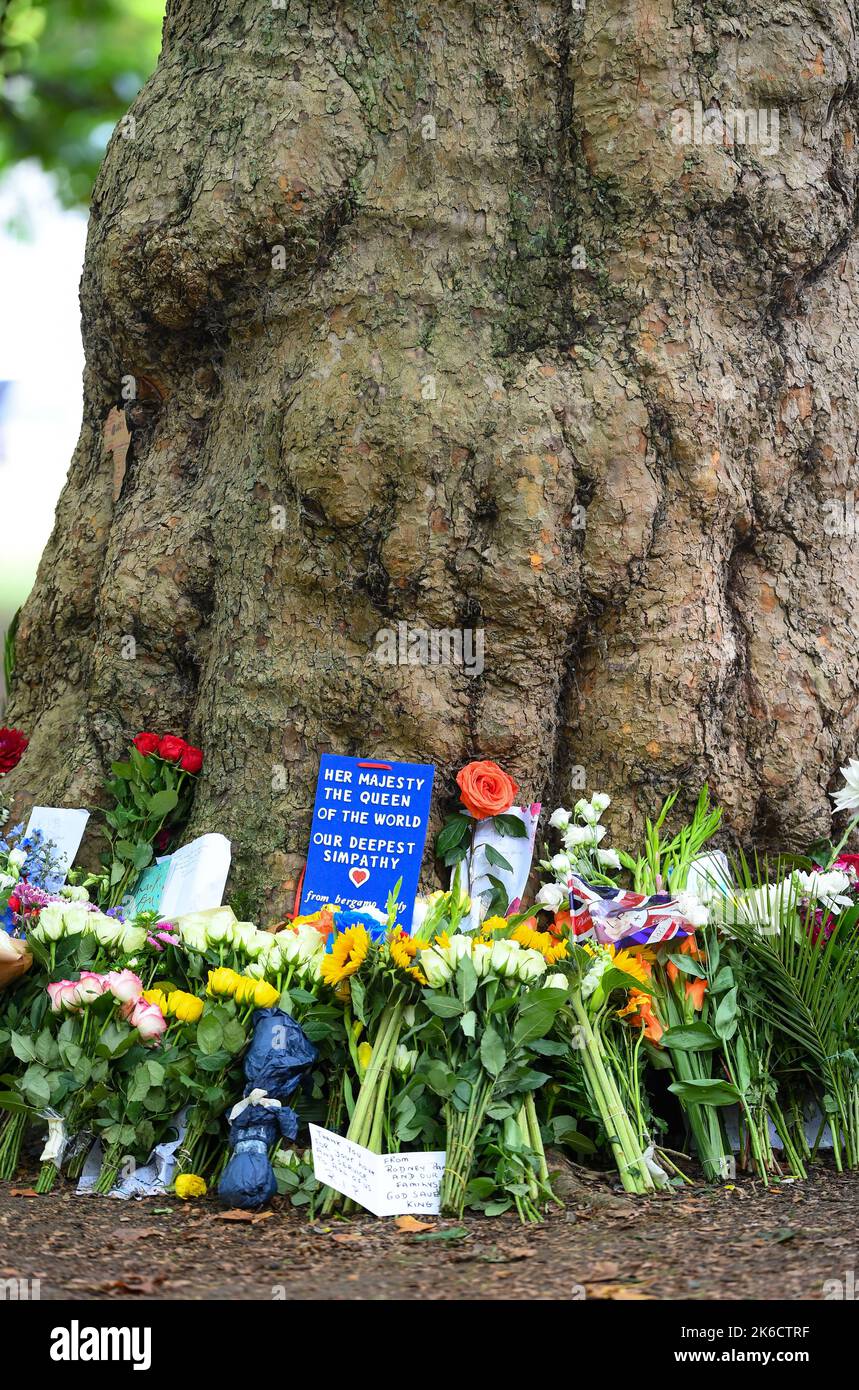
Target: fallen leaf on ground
409, 1223
23, 1192
236, 1214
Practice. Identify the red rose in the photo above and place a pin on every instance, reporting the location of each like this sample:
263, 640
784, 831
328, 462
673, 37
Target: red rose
146, 743
171, 748
192, 759
12, 745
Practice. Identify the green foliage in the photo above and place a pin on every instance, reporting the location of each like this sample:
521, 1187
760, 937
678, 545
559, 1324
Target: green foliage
70, 69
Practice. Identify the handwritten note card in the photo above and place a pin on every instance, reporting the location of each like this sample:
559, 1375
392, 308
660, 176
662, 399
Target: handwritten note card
386, 1184
64, 830
191, 879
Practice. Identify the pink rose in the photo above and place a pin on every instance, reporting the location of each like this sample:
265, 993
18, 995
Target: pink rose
124, 985
148, 1020
69, 995
60, 995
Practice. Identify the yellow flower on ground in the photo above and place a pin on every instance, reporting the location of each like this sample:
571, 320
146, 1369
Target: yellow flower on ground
347, 954
157, 997
265, 995
183, 1006
189, 1185
223, 980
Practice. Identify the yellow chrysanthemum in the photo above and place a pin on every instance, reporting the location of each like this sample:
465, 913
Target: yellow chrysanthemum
223, 980
442, 940
183, 1006
549, 947
493, 924
189, 1185
347, 954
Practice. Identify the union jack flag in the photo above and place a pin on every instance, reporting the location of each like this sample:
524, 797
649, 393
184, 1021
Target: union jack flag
616, 917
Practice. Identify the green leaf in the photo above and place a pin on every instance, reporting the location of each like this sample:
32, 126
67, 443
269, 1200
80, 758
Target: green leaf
23, 1047
210, 1034
537, 1015
442, 1004
123, 770
497, 859
493, 1054
691, 1037
142, 854
686, 964
705, 1092
725, 1022
506, 824
466, 979
452, 834
161, 803
468, 1023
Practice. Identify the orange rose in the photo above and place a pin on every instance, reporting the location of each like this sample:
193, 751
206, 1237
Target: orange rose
485, 790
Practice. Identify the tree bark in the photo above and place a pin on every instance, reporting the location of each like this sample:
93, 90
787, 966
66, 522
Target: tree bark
429, 318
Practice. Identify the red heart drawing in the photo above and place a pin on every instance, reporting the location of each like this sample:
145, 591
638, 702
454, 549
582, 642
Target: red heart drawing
359, 876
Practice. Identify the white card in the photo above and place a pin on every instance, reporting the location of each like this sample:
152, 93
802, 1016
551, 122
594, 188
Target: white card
386, 1184
65, 830
518, 851
197, 876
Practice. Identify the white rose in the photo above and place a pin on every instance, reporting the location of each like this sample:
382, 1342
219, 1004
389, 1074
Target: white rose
106, 930
481, 956
50, 925
131, 939
17, 858
256, 970
77, 918
310, 943
193, 936
460, 945
505, 956
435, 967
219, 930
557, 981
531, 965
560, 819
553, 896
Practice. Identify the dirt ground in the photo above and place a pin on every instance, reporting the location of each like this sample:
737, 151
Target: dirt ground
736, 1243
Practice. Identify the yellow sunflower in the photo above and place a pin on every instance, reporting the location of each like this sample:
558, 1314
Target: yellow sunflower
630, 962
347, 954
403, 949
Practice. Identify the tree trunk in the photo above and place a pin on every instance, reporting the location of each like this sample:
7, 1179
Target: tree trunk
426, 314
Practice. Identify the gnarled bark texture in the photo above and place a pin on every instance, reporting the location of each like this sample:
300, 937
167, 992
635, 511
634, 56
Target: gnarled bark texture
424, 280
